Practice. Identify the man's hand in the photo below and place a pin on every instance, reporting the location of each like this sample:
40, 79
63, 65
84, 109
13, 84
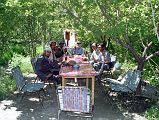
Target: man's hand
49, 75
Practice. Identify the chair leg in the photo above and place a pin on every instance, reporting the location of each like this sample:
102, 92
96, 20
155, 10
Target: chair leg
59, 112
36, 79
41, 101
55, 86
22, 96
49, 84
111, 74
43, 92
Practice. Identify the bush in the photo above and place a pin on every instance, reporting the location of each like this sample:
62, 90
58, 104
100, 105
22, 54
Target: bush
127, 65
23, 62
7, 86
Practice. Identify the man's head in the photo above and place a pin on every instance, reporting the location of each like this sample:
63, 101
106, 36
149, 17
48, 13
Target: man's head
53, 45
94, 46
61, 44
101, 47
47, 52
78, 44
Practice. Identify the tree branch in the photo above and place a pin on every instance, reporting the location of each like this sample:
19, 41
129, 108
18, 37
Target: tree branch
102, 9
130, 48
146, 48
152, 55
153, 18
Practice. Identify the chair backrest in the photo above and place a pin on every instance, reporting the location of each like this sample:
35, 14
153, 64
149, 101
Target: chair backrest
132, 79
75, 99
18, 76
33, 63
113, 61
113, 58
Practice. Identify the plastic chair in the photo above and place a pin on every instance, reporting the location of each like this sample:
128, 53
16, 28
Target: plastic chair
75, 100
33, 63
25, 87
129, 82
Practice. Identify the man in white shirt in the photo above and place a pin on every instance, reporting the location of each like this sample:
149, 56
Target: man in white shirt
94, 59
104, 58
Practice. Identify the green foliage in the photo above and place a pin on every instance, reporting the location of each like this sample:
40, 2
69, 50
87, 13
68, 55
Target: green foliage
39, 50
152, 113
128, 65
151, 73
23, 62
7, 86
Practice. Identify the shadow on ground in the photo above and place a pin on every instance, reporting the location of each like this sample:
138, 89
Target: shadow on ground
31, 109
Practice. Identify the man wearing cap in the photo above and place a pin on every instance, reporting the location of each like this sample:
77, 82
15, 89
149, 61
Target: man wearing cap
94, 59
44, 68
77, 50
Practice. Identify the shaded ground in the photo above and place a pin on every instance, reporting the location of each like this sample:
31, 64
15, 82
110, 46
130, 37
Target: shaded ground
31, 109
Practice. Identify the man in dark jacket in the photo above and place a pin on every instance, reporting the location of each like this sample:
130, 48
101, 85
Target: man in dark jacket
45, 68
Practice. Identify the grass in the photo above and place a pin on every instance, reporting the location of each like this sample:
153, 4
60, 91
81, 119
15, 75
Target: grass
152, 113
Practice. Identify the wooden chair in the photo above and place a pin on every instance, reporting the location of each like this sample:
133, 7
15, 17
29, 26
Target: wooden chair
75, 100
25, 87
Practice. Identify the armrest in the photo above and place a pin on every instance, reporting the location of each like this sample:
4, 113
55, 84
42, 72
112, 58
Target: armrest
113, 81
52, 70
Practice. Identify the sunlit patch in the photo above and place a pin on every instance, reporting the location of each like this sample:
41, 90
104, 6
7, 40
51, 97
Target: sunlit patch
52, 119
32, 110
7, 111
6, 104
34, 99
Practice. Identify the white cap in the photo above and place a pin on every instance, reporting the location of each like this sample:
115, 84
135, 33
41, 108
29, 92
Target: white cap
94, 44
47, 49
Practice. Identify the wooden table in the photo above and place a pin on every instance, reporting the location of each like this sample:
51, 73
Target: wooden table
85, 71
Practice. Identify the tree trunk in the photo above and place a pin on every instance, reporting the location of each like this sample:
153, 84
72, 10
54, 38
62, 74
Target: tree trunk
140, 65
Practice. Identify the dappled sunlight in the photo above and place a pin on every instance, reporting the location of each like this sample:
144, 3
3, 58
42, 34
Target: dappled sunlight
31, 109
34, 99
8, 111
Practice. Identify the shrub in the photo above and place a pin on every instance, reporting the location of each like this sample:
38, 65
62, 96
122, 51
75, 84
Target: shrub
23, 62
152, 113
7, 85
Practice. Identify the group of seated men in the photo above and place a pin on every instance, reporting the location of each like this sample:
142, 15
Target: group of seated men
100, 58
48, 64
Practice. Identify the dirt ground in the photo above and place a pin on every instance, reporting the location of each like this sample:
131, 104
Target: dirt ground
31, 109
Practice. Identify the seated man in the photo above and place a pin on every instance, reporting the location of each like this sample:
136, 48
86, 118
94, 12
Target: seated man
45, 69
104, 58
94, 59
53, 46
59, 51
77, 50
